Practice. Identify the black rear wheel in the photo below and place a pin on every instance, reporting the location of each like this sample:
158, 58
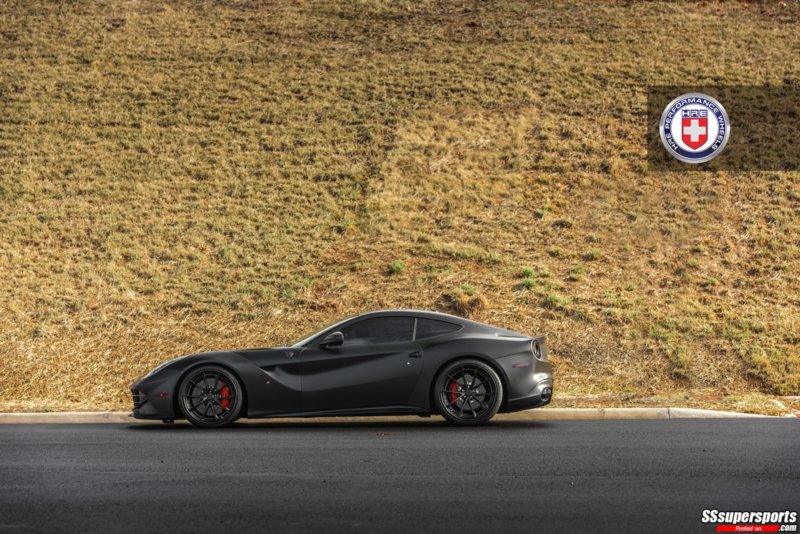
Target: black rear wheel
210, 397
468, 392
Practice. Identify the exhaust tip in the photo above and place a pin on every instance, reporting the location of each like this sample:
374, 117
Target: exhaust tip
547, 393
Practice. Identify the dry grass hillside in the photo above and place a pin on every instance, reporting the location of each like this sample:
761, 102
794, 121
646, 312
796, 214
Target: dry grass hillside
180, 177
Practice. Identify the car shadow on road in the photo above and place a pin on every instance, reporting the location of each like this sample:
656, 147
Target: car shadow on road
266, 424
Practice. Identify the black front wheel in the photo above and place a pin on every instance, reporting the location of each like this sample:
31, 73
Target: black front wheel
210, 397
468, 392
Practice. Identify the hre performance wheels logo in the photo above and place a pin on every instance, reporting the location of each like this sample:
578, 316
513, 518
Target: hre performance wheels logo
694, 128
784, 521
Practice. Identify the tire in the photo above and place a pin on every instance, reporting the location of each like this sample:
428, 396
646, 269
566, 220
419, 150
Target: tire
459, 400
210, 397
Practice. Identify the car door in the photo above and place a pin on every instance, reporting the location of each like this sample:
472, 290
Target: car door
377, 365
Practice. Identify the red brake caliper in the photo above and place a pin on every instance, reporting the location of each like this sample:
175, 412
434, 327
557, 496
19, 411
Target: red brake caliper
453, 389
225, 397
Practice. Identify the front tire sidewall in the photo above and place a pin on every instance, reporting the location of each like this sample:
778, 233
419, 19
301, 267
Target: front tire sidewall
233, 415
439, 384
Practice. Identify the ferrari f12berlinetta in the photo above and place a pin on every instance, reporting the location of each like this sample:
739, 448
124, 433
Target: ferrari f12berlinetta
391, 362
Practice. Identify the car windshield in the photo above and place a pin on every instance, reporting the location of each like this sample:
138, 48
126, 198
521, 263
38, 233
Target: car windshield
308, 337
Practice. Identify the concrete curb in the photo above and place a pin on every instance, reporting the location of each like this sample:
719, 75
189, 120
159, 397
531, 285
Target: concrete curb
65, 417
542, 414
626, 413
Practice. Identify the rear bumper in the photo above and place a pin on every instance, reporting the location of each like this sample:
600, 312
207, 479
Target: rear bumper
529, 380
541, 395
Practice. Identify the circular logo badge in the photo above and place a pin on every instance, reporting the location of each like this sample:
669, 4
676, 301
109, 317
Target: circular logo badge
694, 128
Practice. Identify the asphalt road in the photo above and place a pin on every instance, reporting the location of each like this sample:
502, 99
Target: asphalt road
419, 476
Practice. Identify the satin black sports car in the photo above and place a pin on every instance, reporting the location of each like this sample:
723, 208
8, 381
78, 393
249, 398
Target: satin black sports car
393, 362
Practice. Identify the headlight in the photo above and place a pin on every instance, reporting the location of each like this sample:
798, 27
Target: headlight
160, 367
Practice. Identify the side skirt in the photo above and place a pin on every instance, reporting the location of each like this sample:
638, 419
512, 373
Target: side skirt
351, 412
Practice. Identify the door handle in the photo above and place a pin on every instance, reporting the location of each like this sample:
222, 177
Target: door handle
415, 354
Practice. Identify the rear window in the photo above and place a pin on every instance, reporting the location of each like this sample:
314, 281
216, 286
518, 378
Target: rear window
431, 327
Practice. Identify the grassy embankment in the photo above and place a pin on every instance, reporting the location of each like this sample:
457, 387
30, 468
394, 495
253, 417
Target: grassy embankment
192, 176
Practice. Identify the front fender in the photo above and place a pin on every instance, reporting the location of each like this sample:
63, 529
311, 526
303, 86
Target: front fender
155, 395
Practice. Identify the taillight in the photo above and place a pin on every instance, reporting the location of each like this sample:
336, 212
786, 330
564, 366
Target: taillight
537, 349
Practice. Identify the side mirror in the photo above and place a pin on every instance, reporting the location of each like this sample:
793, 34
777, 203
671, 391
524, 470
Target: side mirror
334, 339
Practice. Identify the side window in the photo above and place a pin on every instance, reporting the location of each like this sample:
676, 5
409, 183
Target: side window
432, 327
380, 330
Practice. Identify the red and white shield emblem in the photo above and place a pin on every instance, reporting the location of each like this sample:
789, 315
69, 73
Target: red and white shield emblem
694, 129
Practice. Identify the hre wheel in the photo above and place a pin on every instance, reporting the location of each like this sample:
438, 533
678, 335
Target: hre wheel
210, 397
468, 392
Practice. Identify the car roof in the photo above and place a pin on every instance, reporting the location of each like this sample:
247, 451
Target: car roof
427, 314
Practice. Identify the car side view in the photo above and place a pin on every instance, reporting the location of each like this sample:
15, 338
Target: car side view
391, 362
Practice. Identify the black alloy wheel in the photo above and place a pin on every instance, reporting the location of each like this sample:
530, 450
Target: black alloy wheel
210, 397
468, 392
